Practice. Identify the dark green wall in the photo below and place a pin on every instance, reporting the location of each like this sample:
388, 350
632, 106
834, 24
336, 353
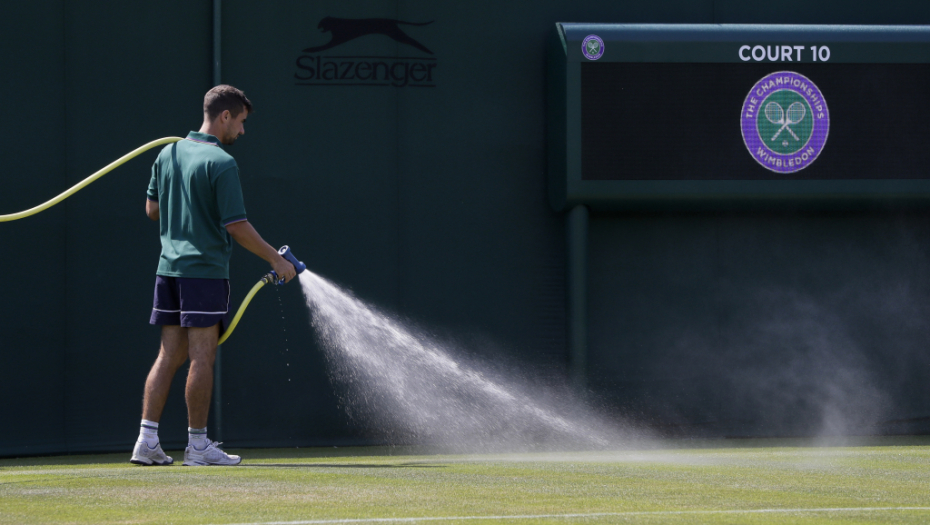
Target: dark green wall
787, 324
85, 82
429, 202
32, 339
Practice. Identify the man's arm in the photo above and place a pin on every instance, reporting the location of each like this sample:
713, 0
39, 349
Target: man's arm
151, 209
245, 235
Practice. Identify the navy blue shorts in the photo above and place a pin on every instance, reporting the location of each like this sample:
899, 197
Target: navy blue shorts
200, 303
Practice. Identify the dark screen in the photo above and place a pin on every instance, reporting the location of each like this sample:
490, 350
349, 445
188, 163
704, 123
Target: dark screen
681, 121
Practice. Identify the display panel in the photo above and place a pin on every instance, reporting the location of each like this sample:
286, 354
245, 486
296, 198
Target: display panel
693, 121
725, 116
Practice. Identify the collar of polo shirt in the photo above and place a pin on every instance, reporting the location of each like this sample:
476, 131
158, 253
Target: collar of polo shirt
203, 138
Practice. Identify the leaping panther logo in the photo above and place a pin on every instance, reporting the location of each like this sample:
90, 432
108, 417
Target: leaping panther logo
345, 29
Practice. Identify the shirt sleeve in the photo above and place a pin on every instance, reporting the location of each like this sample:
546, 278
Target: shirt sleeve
229, 199
153, 184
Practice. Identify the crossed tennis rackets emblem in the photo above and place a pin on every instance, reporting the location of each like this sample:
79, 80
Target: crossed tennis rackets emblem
776, 115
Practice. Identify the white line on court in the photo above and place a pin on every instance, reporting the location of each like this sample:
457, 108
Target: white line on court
586, 515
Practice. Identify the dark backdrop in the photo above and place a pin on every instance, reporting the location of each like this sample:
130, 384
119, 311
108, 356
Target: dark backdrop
429, 202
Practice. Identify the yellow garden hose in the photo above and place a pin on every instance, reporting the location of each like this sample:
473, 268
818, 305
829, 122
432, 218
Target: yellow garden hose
270, 278
77, 187
245, 302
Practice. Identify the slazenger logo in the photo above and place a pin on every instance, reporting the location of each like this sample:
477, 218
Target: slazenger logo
785, 122
315, 69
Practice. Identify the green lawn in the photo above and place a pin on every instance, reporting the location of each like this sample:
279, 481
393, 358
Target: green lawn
743, 481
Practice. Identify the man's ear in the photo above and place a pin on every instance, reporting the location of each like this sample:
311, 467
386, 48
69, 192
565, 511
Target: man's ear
226, 115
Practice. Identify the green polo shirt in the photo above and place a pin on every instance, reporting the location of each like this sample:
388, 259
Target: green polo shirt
196, 186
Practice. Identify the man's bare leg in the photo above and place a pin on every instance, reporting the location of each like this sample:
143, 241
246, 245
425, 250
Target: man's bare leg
202, 351
171, 356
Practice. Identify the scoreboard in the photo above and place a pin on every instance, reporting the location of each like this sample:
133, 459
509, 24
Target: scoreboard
651, 117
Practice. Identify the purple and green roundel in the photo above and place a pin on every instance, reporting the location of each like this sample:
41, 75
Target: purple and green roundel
785, 122
593, 47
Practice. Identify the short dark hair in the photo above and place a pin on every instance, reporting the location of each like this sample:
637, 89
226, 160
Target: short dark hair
224, 97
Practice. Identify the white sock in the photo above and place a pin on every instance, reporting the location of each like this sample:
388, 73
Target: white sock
197, 437
148, 432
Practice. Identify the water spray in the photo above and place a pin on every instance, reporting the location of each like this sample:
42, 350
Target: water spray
409, 387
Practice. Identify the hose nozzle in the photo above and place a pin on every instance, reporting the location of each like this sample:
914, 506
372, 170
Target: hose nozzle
285, 251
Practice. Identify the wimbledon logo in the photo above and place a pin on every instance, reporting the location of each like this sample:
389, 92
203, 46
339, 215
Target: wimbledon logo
593, 47
785, 122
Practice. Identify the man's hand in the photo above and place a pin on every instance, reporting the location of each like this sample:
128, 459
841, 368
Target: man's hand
284, 269
245, 235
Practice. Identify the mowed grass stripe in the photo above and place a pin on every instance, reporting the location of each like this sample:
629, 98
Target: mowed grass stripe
884, 484
591, 515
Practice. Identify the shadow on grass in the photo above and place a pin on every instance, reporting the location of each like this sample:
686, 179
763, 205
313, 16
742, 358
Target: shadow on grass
177, 450
338, 465
121, 459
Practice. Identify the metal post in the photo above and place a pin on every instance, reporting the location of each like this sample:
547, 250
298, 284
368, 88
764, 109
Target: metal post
218, 364
217, 40
577, 286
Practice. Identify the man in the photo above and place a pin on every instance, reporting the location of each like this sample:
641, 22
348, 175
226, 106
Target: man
196, 197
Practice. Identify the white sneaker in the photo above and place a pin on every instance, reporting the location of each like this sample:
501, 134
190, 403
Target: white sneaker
212, 455
143, 454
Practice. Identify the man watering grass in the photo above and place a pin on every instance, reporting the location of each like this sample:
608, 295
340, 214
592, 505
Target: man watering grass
196, 197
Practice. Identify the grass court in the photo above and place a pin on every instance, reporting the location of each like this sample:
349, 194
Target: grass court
878, 480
